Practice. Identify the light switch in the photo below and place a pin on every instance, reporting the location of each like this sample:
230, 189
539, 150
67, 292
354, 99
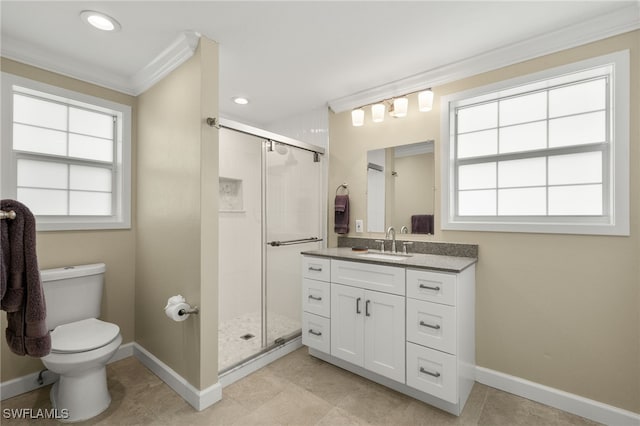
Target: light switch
359, 225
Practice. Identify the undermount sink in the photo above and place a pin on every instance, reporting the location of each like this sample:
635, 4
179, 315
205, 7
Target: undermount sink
385, 256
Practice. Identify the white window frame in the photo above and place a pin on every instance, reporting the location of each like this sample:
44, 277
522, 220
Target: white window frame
121, 190
615, 221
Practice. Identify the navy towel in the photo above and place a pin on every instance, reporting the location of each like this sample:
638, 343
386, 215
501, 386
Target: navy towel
342, 214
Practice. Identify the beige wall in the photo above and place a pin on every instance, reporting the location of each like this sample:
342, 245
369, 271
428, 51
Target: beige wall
413, 188
177, 216
116, 248
559, 310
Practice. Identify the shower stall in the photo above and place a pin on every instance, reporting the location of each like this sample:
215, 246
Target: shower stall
270, 209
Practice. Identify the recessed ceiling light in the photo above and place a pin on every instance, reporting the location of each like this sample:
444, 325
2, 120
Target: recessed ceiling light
100, 20
240, 100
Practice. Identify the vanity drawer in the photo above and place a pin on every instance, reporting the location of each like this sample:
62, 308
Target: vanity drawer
437, 287
316, 268
316, 332
316, 297
433, 372
431, 324
388, 279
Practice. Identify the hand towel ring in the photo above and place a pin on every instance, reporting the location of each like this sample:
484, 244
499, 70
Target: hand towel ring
343, 185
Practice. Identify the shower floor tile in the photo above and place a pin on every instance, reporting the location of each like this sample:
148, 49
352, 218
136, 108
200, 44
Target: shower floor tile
233, 348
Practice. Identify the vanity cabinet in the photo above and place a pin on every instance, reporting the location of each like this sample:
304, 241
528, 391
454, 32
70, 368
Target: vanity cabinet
367, 329
411, 329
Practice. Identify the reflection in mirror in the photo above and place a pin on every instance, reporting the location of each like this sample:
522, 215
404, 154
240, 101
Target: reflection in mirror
400, 188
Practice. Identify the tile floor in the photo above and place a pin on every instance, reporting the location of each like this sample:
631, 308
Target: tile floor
295, 390
233, 349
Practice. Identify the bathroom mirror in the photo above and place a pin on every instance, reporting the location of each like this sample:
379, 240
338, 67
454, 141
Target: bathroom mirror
400, 188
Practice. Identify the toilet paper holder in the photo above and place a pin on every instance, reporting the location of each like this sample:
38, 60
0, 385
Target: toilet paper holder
191, 310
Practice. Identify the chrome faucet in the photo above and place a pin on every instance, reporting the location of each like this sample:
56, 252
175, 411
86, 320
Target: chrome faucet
391, 233
404, 230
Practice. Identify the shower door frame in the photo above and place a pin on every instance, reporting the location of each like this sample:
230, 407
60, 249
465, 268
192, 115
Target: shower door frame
270, 138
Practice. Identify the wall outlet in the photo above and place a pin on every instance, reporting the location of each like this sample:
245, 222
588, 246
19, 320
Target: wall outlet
359, 225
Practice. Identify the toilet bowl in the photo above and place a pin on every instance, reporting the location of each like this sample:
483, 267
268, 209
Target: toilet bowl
81, 344
79, 354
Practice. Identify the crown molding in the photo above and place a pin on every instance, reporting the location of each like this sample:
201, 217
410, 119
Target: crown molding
617, 22
34, 55
169, 59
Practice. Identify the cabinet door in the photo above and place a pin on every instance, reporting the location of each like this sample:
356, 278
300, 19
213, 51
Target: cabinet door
384, 337
347, 323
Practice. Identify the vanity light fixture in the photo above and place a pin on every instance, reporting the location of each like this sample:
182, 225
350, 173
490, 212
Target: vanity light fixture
425, 100
377, 112
357, 117
100, 21
398, 107
240, 100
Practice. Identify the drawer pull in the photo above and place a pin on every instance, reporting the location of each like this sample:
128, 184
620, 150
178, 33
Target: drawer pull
311, 268
315, 333
429, 288
366, 308
358, 311
435, 327
436, 374
312, 297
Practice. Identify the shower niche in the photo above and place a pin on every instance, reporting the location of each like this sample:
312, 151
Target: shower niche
230, 195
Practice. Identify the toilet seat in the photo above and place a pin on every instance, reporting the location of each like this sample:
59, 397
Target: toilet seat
83, 336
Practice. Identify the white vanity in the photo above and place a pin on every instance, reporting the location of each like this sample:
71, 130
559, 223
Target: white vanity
404, 322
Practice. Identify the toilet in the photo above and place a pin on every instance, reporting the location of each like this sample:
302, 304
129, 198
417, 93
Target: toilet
81, 344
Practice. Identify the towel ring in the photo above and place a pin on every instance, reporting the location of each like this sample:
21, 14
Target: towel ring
343, 185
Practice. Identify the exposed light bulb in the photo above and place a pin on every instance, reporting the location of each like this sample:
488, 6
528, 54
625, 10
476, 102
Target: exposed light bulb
377, 112
400, 106
357, 117
425, 100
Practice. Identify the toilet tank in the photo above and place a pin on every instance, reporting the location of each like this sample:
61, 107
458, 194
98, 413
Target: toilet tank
72, 293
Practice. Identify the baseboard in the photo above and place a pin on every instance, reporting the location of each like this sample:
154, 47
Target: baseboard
556, 398
29, 382
257, 363
199, 399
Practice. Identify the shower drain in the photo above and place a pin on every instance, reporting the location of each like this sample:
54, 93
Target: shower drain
247, 336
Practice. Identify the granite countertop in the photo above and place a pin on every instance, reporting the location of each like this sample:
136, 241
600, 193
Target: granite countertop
416, 260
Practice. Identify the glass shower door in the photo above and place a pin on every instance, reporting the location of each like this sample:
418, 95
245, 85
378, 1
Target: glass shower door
293, 215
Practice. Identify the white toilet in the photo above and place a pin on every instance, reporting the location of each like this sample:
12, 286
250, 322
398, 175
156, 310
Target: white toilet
81, 344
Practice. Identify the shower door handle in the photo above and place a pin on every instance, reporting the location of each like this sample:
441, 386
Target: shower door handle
358, 311
291, 242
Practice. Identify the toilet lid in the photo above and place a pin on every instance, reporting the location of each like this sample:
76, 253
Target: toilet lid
82, 336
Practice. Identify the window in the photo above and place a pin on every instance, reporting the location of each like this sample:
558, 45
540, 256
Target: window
543, 153
66, 156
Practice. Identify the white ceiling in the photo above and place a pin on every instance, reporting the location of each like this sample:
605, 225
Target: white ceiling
286, 57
